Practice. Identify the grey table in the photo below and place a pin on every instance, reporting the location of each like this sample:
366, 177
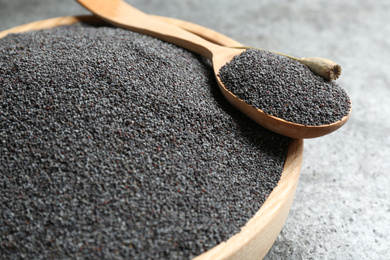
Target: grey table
342, 206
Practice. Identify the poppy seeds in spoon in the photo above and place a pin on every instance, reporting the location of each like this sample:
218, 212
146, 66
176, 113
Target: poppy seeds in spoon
284, 88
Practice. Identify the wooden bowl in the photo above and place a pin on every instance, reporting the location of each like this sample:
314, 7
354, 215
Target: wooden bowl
261, 231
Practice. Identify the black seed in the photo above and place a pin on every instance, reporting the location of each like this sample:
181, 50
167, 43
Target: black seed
284, 88
115, 144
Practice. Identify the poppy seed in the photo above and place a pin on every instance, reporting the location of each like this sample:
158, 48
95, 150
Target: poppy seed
284, 88
118, 145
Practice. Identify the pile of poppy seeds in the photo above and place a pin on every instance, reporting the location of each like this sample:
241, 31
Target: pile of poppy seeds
117, 145
284, 88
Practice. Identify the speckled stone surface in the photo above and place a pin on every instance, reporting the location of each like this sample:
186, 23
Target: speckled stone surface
342, 205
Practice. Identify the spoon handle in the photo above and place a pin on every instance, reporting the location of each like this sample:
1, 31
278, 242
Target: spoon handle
206, 33
121, 14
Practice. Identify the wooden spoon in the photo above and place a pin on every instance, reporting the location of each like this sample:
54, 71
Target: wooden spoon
123, 15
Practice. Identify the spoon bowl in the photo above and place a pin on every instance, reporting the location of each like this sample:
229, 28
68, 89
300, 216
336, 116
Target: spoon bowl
121, 14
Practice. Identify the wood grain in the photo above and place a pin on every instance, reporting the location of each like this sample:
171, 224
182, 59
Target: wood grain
258, 235
205, 33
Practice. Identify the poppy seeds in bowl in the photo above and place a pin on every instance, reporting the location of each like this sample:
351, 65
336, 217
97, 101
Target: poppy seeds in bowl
118, 145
